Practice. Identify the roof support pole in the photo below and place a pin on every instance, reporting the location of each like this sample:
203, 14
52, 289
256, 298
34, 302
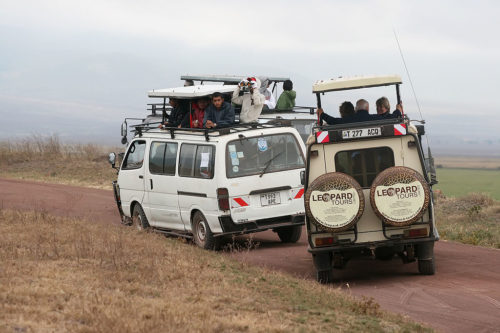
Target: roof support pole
318, 102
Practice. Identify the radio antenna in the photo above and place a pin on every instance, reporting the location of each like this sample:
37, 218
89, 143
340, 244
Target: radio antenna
408, 73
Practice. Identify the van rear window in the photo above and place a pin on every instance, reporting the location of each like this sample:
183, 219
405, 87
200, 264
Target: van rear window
364, 164
267, 153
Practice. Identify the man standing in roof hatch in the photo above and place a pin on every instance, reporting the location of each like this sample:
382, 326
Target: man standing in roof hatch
251, 102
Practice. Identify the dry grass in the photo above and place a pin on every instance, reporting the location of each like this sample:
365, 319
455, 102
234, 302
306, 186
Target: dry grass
472, 219
468, 162
68, 275
47, 159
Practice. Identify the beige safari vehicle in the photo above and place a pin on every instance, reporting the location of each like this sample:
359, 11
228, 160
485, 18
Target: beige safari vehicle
368, 188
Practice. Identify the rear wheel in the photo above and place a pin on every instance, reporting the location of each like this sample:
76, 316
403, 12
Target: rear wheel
426, 267
425, 255
324, 277
203, 236
139, 219
289, 234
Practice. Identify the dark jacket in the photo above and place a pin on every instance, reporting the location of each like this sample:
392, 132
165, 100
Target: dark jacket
223, 117
177, 115
361, 115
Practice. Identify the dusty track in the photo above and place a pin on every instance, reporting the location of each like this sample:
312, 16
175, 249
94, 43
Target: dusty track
463, 296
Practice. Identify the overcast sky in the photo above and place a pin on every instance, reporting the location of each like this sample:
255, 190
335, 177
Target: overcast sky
77, 68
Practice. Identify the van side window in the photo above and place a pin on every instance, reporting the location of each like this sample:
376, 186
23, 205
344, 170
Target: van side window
196, 161
135, 155
162, 158
364, 164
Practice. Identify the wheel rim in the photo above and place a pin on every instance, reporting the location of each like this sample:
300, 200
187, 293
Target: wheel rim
201, 231
137, 220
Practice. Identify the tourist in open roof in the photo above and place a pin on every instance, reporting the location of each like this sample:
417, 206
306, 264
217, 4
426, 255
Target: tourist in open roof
251, 102
219, 113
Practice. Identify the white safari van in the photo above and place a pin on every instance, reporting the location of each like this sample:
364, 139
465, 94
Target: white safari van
369, 187
207, 183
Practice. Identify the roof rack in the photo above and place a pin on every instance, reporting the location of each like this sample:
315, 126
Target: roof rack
228, 78
208, 132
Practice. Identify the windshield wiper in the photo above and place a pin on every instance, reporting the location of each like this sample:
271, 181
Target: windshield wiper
268, 163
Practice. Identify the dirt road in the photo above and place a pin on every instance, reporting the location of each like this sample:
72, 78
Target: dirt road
463, 296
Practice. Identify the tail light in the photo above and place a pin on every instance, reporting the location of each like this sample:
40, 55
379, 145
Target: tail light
223, 198
415, 233
324, 241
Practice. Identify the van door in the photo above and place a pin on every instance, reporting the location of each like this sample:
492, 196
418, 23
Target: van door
196, 169
131, 176
162, 185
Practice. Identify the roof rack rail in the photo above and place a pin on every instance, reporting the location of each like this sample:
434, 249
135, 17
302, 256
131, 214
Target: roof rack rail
208, 132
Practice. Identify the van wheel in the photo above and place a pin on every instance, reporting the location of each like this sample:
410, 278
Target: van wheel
139, 219
426, 267
324, 277
203, 236
425, 255
289, 234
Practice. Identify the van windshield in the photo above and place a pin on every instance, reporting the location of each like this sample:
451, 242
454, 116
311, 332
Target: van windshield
263, 154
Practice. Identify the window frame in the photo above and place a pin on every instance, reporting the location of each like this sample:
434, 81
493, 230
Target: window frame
212, 160
228, 164
164, 155
128, 153
364, 172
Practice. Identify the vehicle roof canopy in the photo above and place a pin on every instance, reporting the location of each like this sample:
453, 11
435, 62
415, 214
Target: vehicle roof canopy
195, 91
355, 82
228, 78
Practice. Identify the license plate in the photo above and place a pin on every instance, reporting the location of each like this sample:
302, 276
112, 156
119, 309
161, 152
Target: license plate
272, 198
361, 133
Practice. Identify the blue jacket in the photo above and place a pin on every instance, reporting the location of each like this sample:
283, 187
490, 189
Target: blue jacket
223, 117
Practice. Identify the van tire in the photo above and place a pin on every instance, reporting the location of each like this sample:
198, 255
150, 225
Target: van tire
289, 234
139, 219
202, 235
425, 255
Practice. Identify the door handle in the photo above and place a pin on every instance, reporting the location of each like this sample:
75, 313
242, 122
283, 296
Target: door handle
151, 182
141, 176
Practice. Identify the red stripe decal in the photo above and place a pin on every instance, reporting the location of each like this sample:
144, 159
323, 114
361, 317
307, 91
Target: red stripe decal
241, 202
299, 194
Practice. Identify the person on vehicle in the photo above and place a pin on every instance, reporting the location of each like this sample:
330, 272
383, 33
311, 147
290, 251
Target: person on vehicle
286, 101
384, 107
218, 114
362, 111
270, 102
346, 110
251, 103
194, 119
179, 110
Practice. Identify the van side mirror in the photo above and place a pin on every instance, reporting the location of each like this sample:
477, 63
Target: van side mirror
303, 177
112, 159
124, 128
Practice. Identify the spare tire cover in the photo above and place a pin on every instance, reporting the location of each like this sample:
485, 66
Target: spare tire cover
399, 196
334, 202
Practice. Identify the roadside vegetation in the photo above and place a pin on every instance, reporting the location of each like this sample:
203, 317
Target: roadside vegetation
471, 219
60, 274
47, 159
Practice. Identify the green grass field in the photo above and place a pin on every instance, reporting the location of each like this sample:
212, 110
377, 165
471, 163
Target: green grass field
460, 182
